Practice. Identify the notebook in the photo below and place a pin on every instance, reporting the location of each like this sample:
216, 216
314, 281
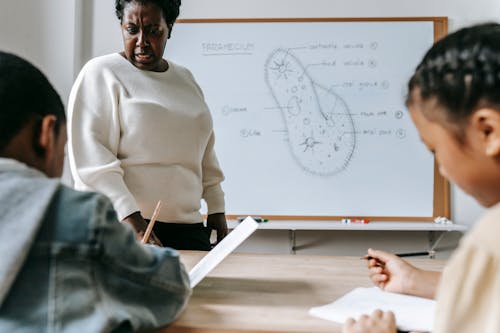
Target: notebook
222, 250
412, 313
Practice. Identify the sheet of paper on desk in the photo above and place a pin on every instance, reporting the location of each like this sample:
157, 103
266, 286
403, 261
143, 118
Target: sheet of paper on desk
412, 313
222, 250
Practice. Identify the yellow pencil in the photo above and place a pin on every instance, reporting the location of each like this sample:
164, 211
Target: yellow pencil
151, 224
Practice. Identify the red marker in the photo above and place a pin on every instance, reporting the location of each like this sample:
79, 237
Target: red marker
358, 221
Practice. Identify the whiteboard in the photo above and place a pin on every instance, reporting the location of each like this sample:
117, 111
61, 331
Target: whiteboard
309, 116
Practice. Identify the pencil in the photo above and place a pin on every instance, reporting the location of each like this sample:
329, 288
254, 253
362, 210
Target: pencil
411, 254
151, 223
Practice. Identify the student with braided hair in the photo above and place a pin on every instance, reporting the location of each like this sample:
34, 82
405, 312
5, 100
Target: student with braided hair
140, 131
454, 101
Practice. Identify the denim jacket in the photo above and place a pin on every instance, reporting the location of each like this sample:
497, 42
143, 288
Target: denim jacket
68, 265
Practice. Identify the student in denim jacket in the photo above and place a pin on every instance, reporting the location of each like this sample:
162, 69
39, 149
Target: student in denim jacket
67, 264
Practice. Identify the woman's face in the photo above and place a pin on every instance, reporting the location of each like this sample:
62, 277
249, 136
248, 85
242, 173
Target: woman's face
145, 34
465, 163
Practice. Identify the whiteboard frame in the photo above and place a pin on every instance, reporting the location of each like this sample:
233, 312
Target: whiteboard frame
441, 202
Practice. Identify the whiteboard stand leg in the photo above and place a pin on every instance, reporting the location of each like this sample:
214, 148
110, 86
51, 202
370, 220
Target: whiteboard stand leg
291, 238
434, 238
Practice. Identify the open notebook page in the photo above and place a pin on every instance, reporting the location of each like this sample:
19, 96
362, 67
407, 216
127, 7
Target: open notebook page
222, 250
412, 313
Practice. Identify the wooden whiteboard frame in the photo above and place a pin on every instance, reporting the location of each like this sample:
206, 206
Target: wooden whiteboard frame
441, 205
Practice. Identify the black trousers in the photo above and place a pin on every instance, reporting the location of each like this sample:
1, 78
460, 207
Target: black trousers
183, 236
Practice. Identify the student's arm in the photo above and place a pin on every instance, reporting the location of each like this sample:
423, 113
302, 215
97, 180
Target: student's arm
212, 191
393, 274
146, 285
94, 138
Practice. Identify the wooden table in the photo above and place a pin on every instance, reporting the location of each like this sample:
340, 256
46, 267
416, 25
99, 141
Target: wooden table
271, 293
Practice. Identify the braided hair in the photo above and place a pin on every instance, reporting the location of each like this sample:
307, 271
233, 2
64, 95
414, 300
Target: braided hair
169, 8
461, 72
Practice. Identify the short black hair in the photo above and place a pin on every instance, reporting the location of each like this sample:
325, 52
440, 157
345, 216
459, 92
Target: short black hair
169, 8
462, 72
25, 94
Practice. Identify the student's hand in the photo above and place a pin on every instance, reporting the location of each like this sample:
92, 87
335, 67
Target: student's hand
217, 222
378, 322
139, 224
391, 273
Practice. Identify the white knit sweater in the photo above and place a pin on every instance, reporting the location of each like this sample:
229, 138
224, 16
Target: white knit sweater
140, 136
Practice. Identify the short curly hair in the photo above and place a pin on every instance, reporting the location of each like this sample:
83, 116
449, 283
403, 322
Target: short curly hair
461, 72
169, 8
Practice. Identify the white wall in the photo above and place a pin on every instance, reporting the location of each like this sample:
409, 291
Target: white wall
106, 34
60, 35
460, 12
43, 33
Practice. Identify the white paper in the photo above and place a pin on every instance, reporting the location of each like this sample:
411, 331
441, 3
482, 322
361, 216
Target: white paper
412, 313
219, 252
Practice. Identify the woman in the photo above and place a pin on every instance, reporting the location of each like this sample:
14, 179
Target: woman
140, 131
454, 101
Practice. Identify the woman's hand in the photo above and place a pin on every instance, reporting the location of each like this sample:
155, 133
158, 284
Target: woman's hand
378, 322
217, 222
393, 274
139, 224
